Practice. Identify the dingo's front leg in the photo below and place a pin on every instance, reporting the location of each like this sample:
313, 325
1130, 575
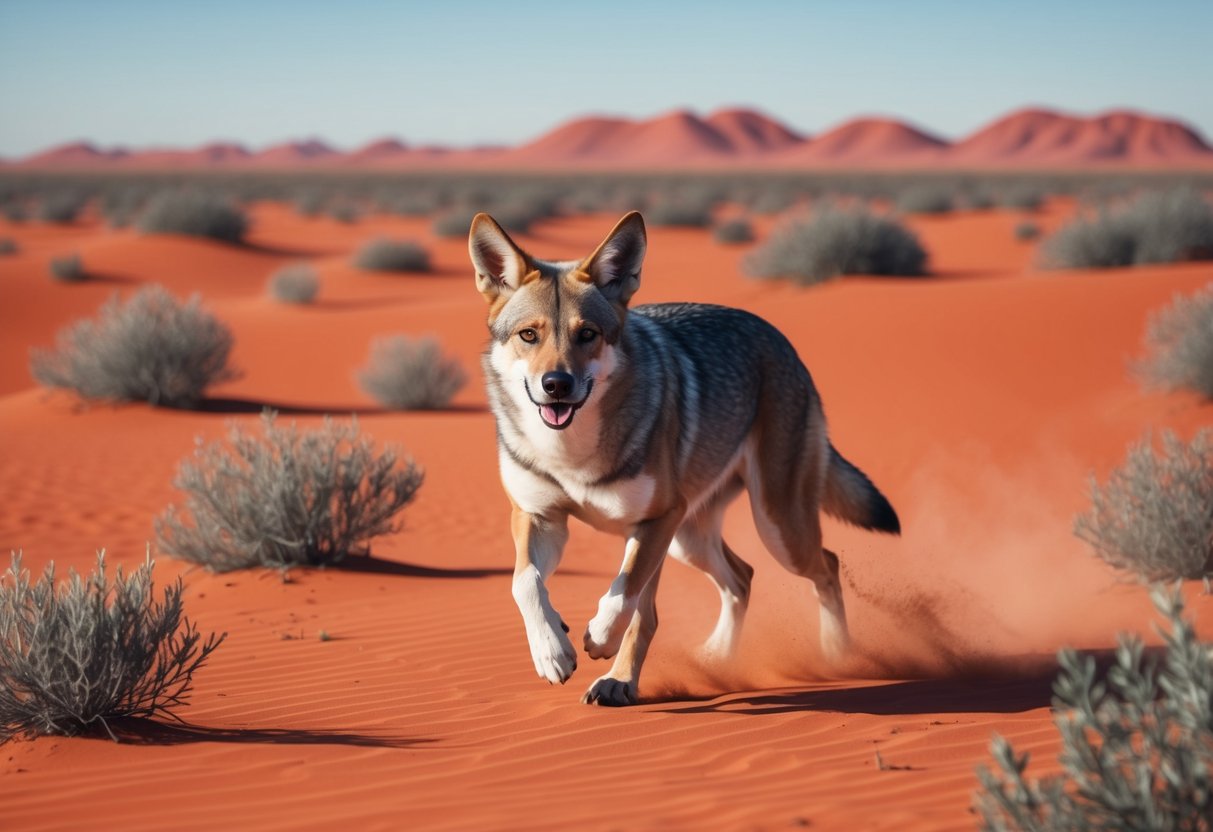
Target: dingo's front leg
538, 544
642, 558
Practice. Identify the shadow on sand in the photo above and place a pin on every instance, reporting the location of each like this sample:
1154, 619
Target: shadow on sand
139, 731
1022, 683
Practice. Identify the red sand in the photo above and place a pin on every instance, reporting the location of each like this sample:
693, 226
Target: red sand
979, 400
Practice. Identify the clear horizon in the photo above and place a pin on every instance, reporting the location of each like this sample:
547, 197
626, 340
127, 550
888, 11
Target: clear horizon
140, 74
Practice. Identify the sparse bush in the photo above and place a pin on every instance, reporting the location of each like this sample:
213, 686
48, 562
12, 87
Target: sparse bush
925, 199
8, 246
674, 212
1022, 197
120, 207
92, 650
383, 255
1179, 344
194, 214
1154, 517
519, 215
736, 230
411, 374
15, 212
1158, 227
1137, 748
454, 223
1027, 231
296, 283
150, 348
68, 269
979, 200
61, 208
834, 242
310, 203
285, 498
345, 212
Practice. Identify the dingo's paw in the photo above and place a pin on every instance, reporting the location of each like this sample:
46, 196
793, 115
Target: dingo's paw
610, 692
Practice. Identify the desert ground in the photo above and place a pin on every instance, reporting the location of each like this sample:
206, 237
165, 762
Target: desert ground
979, 399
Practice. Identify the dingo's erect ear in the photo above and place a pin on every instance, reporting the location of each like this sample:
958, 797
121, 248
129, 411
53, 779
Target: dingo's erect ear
500, 264
615, 265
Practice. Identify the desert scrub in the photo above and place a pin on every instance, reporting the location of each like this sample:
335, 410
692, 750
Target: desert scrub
453, 223
834, 242
61, 208
680, 212
1021, 197
92, 650
1179, 344
8, 246
68, 269
1137, 747
297, 283
149, 348
736, 230
411, 374
1158, 227
193, 214
925, 199
285, 497
383, 255
1154, 516
1027, 231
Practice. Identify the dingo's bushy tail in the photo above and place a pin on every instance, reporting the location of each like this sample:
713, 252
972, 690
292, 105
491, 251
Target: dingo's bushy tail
850, 496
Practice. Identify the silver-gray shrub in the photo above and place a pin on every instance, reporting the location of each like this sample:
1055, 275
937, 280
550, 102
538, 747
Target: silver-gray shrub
1137, 746
68, 269
1157, 227
734, 231
926, 199
94, 649
149, 348
195, 214
453, 223
1179, 344
295, 283
61, 208
384, 255
1027, 231
836, 241
1154, 515
8, 245
406, 373
285, 497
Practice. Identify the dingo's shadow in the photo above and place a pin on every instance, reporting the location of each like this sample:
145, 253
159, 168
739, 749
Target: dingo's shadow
1022, 683
143, 731
371, 565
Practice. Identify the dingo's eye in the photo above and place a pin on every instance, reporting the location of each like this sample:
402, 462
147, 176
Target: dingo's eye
529, 335
586, 335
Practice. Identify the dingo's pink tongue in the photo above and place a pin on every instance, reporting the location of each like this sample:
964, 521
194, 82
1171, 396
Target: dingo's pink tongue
556, 414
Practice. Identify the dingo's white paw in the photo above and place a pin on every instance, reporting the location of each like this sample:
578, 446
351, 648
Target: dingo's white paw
604, 633
553, 654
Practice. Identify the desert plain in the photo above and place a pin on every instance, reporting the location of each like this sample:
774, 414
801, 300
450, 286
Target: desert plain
979, 398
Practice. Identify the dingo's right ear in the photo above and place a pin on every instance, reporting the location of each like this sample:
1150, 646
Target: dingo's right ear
500, 264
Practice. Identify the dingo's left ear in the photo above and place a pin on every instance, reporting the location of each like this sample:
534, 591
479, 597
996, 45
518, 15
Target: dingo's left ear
500, 264
615, 265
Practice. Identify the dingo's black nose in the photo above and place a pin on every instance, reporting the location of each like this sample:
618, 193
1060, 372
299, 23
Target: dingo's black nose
559, 385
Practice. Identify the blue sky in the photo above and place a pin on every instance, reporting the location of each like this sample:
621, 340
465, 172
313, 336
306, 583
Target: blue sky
169, 73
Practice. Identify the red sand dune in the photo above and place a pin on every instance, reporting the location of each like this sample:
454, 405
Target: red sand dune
1027, 138
979, 400
866, 141
1045, 136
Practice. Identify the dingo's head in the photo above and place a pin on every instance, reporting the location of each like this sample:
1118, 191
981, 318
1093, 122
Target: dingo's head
555, 324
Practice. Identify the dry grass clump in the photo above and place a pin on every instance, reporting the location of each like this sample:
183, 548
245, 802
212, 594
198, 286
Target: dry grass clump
61, 208
734, 231
384, 255
149, 348
194, 214
1027, 231
92, 650
297, 283
1137, 746
1179, 344
1157, 227
833, 242
1154, 515
926, 199
68, 269
411, 374
286, 497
